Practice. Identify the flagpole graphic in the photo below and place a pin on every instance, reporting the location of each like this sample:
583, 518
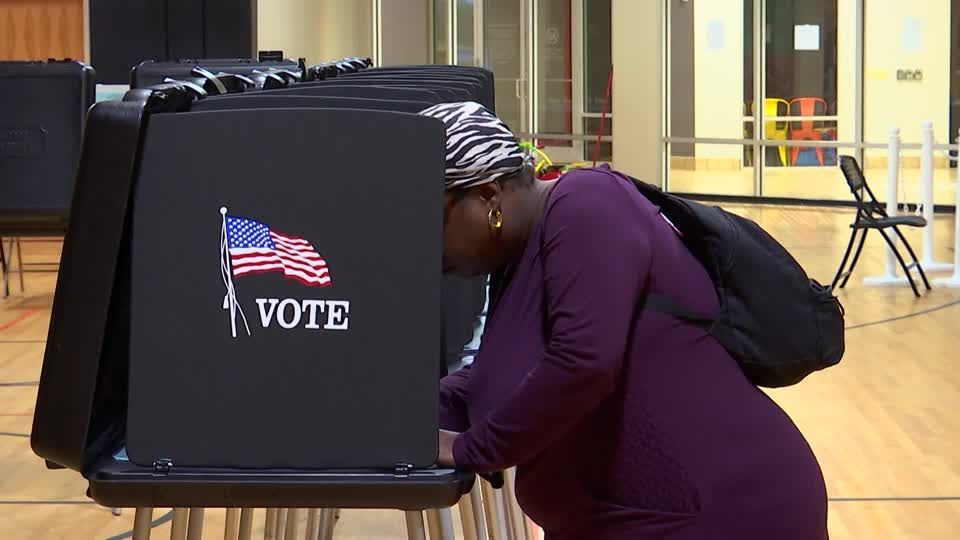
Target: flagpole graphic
226, 272
249, 247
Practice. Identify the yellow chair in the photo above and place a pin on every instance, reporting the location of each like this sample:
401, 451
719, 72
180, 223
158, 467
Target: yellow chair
777, 129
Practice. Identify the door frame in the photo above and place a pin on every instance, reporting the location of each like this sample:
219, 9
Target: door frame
526, 88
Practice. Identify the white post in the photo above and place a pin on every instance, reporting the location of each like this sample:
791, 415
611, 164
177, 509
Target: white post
889, 276
954, 280
926, 189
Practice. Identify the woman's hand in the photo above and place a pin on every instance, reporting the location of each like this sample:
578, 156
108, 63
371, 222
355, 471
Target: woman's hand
445, 459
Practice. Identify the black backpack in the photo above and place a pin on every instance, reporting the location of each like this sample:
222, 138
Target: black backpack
776, 322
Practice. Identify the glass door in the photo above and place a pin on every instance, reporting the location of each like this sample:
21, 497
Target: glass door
503, 50
551, 61
763, 98
592, 79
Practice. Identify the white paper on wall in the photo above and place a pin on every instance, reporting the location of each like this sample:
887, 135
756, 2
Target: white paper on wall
715, 35
806, 37
912, 34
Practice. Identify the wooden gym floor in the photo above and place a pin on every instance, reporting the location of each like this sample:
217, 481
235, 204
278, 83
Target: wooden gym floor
884, 423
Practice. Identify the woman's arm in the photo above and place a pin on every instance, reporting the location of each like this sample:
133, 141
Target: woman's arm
453, 400
596, 255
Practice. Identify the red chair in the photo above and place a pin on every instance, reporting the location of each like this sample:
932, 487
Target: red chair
806, 130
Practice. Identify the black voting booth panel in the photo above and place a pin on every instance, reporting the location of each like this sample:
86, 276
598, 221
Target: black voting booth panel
463, 300
270, 101
151, 72
470, 84
481, 87
42, 110
359, 366
482, 75
447, 92
355, 91
142, 358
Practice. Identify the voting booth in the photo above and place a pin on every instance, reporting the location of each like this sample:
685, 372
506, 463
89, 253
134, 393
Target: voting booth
42, 109
404, 89
249, 310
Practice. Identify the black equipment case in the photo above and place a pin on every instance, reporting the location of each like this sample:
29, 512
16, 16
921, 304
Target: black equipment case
145, 390
42, 111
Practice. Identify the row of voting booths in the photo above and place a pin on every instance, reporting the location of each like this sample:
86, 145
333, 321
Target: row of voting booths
250, 311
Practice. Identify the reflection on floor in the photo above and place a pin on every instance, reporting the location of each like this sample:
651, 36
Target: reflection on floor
883, 423
824, 183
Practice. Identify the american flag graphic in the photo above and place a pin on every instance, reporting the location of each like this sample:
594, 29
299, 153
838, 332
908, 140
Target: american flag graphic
255, 249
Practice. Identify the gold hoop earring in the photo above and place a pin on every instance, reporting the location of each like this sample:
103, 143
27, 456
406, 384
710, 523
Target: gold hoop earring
495, 218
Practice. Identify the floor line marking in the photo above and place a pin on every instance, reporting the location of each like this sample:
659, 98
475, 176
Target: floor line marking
19, 318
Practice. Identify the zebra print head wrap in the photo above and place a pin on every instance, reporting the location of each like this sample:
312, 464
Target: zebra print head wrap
480, 147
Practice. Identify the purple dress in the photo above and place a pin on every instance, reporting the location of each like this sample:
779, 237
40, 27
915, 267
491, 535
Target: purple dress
625, 424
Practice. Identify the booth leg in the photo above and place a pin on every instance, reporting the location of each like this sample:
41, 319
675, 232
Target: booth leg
4, 271
440, 524
246, 524
195, 524
415, 530
515, 518
270, 524
231, 529
178, 529
446, 524
470, 505
313, 524
20, 264
116, 511
493, 512
433, 523
328, 518
293, 523
476, 500
141, 523
281, 527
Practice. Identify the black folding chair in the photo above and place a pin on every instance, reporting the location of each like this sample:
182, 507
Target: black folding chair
872, 215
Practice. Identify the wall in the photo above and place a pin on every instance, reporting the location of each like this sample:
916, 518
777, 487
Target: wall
846, 71
319, 30
906, 104
343, 28
718, 64
41, 29
637, 47
282, 26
